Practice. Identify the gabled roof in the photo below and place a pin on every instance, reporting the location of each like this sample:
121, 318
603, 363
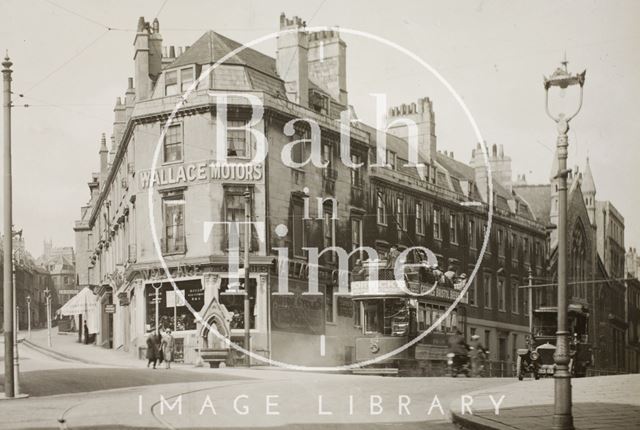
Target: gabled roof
212, 46
539, 199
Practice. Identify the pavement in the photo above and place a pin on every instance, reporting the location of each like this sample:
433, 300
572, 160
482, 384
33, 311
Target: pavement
75, 386
603, 402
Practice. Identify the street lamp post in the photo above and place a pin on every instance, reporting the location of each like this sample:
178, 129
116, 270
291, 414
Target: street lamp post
16, 325
47, 296
247, 245
9, 390
562, 415
157, 303
29, 317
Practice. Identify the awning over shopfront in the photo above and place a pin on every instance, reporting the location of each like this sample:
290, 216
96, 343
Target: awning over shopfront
80, 304
84, 303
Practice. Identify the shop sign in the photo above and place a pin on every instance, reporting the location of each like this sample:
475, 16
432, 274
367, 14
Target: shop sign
201, 171
69, 292
110, 309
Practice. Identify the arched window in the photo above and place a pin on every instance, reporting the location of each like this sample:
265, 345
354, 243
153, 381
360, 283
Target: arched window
578, 260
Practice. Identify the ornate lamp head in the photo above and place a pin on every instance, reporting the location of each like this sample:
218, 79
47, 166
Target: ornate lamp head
562, 79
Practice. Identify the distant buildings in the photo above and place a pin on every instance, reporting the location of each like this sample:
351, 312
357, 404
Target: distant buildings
31, 282
60, 262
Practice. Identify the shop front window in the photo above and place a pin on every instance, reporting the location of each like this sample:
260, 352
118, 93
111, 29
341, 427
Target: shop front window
172, 310
234, 302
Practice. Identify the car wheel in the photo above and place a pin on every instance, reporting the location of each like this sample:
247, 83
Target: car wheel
536, 375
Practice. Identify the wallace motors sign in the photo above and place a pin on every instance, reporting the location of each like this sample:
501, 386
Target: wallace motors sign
201, 171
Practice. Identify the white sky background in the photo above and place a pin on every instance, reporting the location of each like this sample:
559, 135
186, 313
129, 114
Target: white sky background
494, 53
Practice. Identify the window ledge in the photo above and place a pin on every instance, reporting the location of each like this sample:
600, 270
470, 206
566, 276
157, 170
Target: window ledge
171, 163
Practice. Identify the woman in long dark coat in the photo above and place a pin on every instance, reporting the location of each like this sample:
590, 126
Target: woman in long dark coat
152, 349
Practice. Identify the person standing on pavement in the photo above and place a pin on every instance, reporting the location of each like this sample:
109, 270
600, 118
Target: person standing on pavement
152, 349
168, 347
159, 353
477, 353
86, 333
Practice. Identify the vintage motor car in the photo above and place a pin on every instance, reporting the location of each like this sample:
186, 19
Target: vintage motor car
537, 359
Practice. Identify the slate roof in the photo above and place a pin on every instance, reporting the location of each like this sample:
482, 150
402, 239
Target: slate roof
212, 46
539, 199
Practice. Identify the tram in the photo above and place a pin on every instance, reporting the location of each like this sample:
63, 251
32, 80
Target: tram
537, 359
395, 313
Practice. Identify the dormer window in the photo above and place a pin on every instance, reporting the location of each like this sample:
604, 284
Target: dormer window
176, 81
171, 83
186, 77
319, 102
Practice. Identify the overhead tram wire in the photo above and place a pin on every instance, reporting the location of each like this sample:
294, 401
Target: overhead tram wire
594, 281
86, 18
161, 7
94, 41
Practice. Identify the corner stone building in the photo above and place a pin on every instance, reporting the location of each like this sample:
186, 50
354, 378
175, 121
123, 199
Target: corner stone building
131, 203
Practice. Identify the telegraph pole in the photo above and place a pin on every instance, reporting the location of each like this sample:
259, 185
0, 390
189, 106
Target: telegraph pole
247, 245
9, 387
47, 294
29, 317
530, 301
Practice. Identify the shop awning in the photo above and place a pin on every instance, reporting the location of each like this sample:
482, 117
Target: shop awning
82, 303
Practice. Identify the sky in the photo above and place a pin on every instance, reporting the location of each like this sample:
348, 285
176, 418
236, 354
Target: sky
72, 59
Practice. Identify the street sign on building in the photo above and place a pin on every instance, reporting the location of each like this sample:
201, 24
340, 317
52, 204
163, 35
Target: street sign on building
69, 292
110, 309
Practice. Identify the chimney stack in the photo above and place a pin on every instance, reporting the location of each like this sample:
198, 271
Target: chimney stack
155, 51
328, 64
104, 161
129, 99
119, 120
291, 59
141, 60
421, 113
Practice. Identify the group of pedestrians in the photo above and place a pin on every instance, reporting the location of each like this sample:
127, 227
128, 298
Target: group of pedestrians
160, 347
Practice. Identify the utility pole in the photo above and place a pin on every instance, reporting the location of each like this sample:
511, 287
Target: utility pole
9, 387
29, 317
530, 301
247, 245
157, 302
47, 294
16, 318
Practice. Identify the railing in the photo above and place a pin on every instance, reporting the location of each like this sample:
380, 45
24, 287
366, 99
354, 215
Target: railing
174, 247
500, 369
604, 372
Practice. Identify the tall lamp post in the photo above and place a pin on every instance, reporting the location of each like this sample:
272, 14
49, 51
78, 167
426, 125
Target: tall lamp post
8, 323
47, 298
562, 415
247, 245
17, 259
29, 317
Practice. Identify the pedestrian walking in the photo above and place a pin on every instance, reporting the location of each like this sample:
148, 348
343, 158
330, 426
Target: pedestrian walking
168, 347
152, 350
86, 333
158, 343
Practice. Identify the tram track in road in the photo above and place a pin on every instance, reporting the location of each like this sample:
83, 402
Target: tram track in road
168, 425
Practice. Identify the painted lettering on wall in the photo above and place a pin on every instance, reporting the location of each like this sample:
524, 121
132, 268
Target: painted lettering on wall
201, 171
